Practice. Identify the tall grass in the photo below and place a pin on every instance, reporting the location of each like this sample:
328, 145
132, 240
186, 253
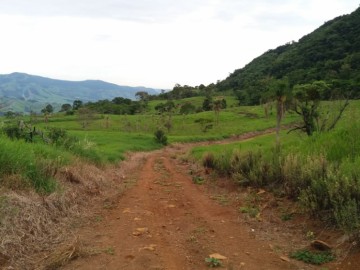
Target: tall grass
321, 172
29, 165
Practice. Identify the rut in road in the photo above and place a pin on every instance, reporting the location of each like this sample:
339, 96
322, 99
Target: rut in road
166, 222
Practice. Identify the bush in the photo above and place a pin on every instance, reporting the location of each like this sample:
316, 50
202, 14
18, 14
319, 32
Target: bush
160, 137
313, 257
208, 160
13, 132
56, 135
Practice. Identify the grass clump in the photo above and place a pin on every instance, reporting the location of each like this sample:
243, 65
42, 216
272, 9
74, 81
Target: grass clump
313, 257
252, 211
208, 160
213, 262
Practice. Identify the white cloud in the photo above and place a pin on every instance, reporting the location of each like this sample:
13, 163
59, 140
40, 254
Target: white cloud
154, 43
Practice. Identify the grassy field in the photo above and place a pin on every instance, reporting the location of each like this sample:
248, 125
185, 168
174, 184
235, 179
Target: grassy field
108, 137
113, 135
263, 143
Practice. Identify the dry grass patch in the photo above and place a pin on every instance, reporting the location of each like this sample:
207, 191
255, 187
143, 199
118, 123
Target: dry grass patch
37, 231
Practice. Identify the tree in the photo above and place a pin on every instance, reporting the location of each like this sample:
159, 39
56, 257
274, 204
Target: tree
48, 109
279, 91
85, 116
77, 104
166, 110
187, 108
242, 97
121, 100
143, 98
165, 107
205, 124
10, 114
65, 107
218, 104
207, 103
307, 104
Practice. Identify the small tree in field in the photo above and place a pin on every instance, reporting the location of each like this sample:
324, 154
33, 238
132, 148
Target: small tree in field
207, 103
218, 104
66, 107
205, 124
279, 92
48, 109
160, 137
85, 116
307, 104
77, 104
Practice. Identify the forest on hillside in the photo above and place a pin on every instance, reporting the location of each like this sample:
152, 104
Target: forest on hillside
330, 54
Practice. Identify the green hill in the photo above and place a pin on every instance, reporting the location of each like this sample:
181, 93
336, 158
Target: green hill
330, 53
21, 92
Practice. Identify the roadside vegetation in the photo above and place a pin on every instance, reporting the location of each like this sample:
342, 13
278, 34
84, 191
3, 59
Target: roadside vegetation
321, 171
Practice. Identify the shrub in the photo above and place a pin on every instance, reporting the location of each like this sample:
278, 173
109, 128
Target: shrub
56, 135
254, 169
208, 160
13, 132
160, 137
313, 257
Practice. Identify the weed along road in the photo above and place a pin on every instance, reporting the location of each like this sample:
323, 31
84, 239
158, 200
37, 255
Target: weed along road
165, 221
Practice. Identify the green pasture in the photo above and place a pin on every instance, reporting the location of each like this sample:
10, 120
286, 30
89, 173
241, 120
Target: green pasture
112, 145
111, 136
264, 143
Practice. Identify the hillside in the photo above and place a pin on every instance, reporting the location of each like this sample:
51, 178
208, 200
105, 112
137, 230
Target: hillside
330, 53
21, 92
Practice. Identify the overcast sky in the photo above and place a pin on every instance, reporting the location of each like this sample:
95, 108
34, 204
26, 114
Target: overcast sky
153, 43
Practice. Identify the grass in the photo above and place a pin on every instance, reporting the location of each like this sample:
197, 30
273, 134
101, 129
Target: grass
112, 145
110, 140
322, 172
313, 257
30, 165
213, 262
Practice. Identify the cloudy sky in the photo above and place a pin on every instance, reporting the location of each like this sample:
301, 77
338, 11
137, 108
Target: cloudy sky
153, 43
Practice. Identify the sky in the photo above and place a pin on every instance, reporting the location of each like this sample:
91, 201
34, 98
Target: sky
152, 43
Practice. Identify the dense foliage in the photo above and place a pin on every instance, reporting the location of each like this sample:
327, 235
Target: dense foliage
330, 53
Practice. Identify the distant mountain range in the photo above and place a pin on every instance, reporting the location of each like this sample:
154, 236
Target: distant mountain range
20, 92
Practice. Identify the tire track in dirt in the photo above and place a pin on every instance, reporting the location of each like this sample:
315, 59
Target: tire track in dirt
166, 222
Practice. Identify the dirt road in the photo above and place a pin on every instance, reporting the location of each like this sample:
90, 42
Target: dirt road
165, 221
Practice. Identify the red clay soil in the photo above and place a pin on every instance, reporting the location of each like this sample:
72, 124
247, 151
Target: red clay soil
165, 221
